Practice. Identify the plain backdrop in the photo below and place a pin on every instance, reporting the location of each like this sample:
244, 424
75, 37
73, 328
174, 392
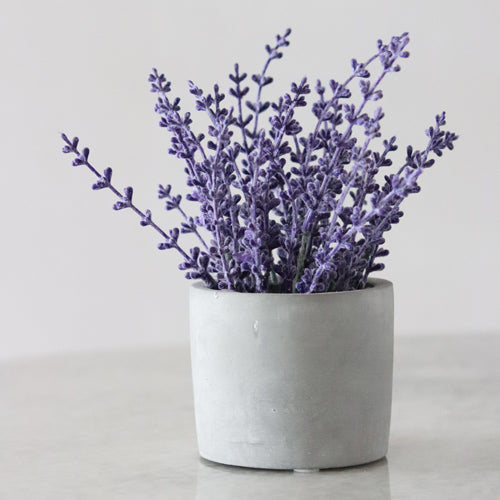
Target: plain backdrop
74, 274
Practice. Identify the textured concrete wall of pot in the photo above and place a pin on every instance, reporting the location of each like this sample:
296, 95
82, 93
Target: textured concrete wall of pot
291, 381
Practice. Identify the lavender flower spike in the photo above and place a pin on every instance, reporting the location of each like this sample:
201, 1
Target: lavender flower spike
125, 201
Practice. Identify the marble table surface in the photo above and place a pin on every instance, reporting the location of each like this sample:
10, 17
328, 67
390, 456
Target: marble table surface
120, 425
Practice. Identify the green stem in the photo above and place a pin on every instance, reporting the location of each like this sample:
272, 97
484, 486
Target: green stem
306, 237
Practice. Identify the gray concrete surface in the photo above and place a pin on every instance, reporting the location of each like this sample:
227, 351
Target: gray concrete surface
120, 425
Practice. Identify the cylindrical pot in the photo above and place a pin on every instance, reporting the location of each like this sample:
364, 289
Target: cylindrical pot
292, 381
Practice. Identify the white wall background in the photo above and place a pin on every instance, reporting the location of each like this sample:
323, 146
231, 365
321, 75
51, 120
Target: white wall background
75, 274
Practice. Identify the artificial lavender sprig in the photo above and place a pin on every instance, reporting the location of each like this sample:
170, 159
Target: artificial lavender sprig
174, 202
385, 205
286, 210
125, 201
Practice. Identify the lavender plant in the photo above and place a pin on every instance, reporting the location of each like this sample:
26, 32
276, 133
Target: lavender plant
281, 209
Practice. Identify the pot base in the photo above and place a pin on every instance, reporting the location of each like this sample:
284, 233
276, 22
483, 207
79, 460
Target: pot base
300, 470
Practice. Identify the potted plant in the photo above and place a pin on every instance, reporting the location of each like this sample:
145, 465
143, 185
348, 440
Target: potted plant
291, 340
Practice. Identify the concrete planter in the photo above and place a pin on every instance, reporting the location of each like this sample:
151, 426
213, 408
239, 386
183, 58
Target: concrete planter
291, 381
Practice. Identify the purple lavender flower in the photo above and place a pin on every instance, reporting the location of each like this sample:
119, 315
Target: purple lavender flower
281, 209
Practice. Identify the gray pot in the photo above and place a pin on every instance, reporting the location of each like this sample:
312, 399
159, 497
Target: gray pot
292, 381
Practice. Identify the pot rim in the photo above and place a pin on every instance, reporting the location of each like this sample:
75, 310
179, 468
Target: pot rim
373, 285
